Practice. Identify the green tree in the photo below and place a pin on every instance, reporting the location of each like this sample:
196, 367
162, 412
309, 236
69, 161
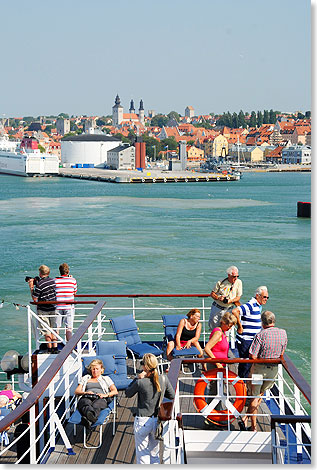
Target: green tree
150, 143
235, 120
300, 116
122, 137
266, 117
100, 122
259, 118
241, 119
41, 149
171, 142
64, 115
174, 115
159, 120
272, 117
73, 126
252, 122
308, 114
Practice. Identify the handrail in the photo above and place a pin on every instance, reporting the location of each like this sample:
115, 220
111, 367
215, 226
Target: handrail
49, 375
297, 377
166, 408
129, 296
289, 419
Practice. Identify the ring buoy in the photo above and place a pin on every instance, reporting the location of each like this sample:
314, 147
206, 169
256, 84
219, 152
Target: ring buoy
143, 180
165, 179
218, 178
221, 415
207, 179
186, 180
197, 179
228, 178
154, 180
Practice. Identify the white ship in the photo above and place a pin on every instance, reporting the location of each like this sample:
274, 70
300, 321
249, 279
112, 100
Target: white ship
25, 159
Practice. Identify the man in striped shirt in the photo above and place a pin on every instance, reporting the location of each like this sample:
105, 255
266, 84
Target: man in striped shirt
44, 291
66, 288
250, 319
270, 343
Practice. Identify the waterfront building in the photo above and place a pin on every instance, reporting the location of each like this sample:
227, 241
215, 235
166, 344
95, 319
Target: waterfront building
62, 126
88, 149
247, 153
189, 112
119, 117
121, 157
297, 155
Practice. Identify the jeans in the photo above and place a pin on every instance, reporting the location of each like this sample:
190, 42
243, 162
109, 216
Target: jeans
86, 404
243, 349
146, 446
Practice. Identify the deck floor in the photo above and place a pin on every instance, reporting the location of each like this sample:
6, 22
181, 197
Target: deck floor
119, 449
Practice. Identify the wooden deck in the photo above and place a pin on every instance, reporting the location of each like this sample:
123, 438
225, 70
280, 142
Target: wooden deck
120, 449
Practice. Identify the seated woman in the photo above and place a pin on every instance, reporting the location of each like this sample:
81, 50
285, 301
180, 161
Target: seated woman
218, 346
96, 392
14, 398
187, 334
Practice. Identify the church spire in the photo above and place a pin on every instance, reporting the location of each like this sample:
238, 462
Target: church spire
141, 106
132, 108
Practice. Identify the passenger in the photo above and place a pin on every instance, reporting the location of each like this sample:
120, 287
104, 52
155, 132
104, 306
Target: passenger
270, 343
45, 291
225, 294
150, 388
187, 334
96, 392
13, 397
66, 288
249, 315
218, 346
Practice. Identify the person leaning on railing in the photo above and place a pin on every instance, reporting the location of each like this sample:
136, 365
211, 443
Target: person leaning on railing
226, 295
270, 343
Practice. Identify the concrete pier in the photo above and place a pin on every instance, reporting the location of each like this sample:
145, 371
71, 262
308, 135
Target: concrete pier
147, 176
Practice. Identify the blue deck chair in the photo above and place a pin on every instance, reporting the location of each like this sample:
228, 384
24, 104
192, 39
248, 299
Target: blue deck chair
125, 329
4, 438
103, 418
170, 324
116, 365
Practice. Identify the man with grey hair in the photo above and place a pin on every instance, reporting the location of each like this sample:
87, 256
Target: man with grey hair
250, 319
270, 343
225, 294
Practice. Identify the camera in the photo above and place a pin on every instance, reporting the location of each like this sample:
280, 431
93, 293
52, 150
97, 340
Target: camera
36, 279
225, 300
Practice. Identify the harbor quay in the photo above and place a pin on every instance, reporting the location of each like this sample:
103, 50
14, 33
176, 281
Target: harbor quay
146, 176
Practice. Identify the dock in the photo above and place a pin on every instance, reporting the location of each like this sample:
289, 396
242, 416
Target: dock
147, 176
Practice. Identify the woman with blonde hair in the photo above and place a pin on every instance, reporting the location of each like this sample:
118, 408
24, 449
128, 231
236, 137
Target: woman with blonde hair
96, 392
150, 388
187, 334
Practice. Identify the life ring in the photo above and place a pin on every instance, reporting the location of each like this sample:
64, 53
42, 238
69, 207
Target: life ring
154, 180
197, 179
186, 180
228, 178
165, 180
207, 179
218, 178
143, 180
222, 415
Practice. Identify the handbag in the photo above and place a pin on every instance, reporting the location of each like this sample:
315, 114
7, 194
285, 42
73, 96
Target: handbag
159, 427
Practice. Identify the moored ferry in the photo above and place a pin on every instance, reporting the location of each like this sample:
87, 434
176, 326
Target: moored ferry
42, 430
25, 159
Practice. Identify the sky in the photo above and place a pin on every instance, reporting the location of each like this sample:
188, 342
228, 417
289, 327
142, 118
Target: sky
74, 56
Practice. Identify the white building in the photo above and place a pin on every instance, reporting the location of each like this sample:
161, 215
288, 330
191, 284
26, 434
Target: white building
189, 112
299, 154
91, 149
122, 157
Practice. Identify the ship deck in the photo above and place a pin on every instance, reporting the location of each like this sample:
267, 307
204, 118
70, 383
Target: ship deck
119, 449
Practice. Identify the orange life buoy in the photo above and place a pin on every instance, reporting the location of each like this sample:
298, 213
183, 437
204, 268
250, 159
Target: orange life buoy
221, 415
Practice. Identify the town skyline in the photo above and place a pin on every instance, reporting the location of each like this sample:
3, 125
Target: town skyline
215, 56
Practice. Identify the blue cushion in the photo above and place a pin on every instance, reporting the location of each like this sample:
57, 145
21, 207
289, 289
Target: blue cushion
108, 362
126, 329
144, 348
170, 324
116, 348
185, 352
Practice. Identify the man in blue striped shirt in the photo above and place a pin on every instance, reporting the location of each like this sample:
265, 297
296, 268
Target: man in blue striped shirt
250, 318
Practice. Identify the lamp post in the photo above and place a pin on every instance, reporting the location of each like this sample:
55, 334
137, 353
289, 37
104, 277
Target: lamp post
154, 147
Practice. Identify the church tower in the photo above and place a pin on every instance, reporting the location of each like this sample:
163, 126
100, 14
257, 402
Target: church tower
132, 108
141, 113
117, 112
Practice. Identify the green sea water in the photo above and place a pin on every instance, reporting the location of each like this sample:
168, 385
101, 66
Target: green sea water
160, 238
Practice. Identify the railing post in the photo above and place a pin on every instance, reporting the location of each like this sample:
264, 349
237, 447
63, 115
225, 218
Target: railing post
204, 323
32, 436
298, 430
99, 326
281, 389
51, 408
133, 308
30, 340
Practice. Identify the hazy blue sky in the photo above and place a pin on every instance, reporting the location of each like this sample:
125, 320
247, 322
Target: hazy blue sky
74, 56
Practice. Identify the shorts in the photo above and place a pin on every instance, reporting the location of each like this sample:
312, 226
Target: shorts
269, 372
65, 316
49, 318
